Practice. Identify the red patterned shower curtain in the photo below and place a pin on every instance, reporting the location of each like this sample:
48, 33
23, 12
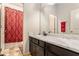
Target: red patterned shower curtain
63, 26
13, 25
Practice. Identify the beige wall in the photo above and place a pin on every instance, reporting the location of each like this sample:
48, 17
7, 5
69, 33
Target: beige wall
35, 21
0, 25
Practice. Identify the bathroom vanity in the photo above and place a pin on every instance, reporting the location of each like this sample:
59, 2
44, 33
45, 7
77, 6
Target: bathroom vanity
45, 46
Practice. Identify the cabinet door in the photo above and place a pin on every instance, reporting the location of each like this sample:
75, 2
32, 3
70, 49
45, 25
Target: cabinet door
60, 51
39, 51
30, 47
48, 53
33, 49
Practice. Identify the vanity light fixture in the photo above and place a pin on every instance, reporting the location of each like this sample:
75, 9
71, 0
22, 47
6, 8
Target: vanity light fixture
51, 3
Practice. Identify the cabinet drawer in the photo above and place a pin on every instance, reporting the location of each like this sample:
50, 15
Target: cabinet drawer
31, 39
41, 43
35, 40
60, 51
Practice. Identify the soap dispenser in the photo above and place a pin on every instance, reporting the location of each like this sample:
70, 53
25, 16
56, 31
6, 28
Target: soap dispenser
44, 33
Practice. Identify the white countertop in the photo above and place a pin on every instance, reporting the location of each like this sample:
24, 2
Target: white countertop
65, 41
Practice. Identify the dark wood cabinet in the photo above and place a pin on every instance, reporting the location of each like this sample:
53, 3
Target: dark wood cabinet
41, 43
41, 48
39, 51
59, 51
35, 41
35, 48
48, 53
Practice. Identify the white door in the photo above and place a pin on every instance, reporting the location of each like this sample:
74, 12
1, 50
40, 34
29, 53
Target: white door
52, 23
